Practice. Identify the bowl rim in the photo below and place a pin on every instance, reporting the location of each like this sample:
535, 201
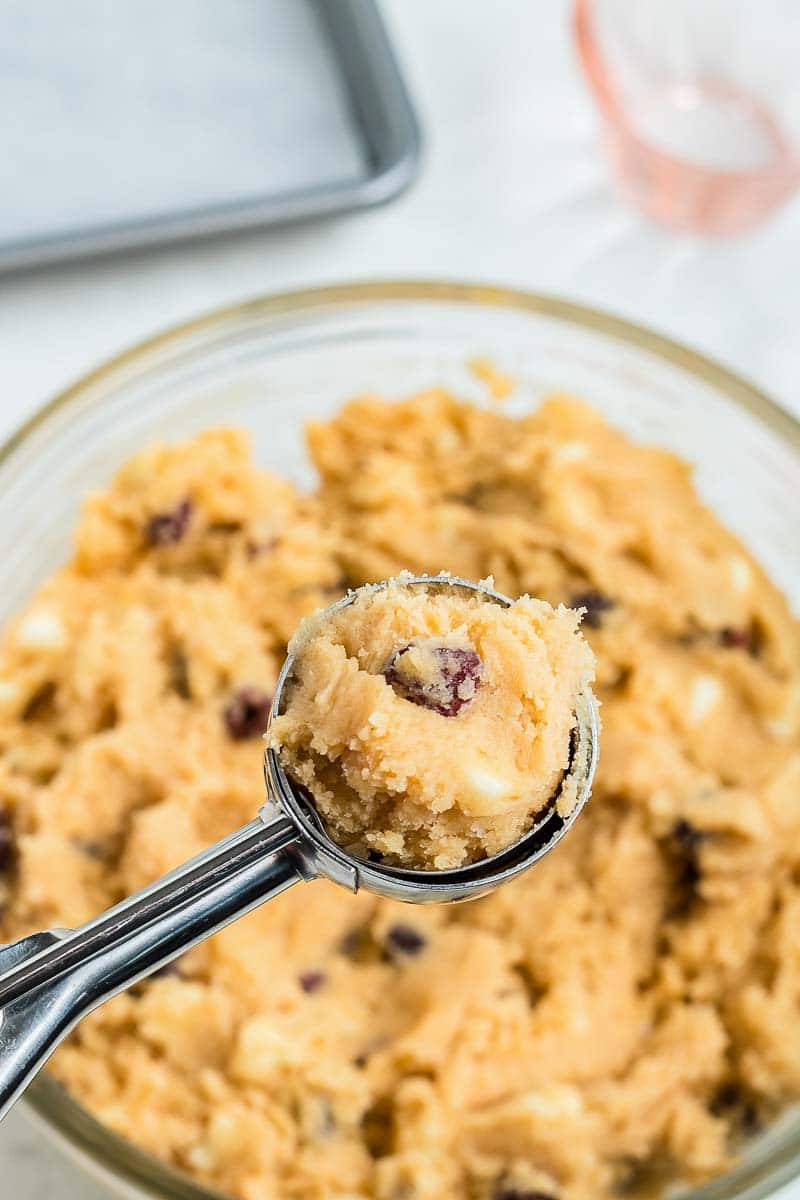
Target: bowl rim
737, 387
99, 1149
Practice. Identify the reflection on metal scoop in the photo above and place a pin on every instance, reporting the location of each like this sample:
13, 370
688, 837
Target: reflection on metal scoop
48, 981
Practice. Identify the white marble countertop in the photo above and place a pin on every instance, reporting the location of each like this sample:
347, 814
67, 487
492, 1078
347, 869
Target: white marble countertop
512, 190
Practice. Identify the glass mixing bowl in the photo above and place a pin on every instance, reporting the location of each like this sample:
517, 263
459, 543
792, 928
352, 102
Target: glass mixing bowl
270, 365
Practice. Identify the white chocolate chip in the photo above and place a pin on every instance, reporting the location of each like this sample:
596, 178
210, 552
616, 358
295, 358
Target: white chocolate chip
201, 1157
41, 630
578, 509
741, 573
784, 722
569, 452
487, 783
262, 1049
483, 793
780, 729
661, 803
558, 1100
706, 694
447, 441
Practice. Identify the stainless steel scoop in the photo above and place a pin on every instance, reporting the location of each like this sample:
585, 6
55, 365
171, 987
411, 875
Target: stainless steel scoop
49, 980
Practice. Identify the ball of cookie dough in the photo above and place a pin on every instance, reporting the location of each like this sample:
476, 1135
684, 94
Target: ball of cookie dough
430, 724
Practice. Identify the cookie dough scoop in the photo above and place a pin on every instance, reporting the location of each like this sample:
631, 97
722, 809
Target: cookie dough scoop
424, 849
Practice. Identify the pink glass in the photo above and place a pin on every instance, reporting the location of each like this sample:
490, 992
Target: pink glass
700, 101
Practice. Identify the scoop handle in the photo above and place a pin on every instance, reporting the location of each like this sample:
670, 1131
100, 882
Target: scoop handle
49, 980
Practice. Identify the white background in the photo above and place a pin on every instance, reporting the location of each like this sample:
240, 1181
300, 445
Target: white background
512, 190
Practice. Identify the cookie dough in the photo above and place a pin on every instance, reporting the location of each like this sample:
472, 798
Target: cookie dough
430, 724
621, 1015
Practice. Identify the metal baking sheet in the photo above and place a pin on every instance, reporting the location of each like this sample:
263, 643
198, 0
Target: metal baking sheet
140, 121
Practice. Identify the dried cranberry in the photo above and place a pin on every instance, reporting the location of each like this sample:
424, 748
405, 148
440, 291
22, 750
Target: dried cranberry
745, 638
311, 981
737, 1107
406, 940
167, 528
246, 713
507, 1193
454, 682
6, 841
733, 638
682, 850
686, 835
595, 602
